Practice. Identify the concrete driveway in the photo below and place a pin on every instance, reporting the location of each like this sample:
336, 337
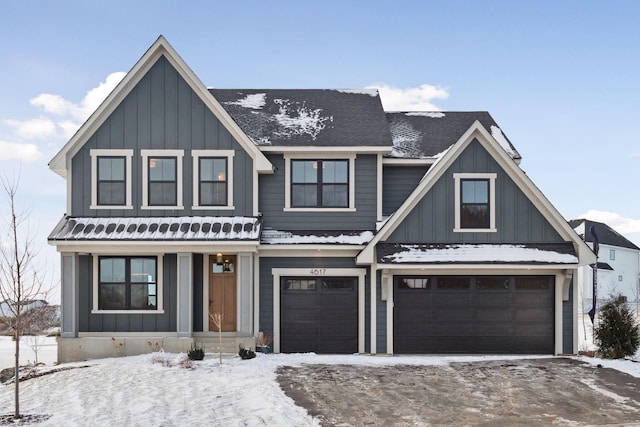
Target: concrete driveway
533, 392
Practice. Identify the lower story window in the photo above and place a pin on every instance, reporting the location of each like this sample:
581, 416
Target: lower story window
127, 283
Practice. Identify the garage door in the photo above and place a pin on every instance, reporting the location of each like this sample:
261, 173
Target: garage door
482, 314
319, 314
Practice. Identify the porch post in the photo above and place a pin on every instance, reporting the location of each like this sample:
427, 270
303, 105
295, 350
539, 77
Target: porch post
185, 295
69, 294
245, 293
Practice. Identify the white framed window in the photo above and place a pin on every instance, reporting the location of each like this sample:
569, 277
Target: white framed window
111, 179
612, 254
162, 179
475, 202
124, 284
323, 183
213, 179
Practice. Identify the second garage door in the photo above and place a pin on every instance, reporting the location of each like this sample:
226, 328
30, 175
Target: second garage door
480, 314
319, 315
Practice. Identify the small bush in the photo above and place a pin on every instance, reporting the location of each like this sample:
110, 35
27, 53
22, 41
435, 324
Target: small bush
617, 333
196, 352
245, 353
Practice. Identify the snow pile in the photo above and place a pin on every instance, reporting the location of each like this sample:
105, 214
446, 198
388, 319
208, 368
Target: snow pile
497, 134
298, 119
406, 140
370, 92
254, 101
431, 114
477, 253
277, 237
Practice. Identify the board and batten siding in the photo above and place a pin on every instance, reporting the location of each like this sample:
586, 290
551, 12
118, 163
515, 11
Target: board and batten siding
161, 112
397, 184
272, 193
517, 219
267, 264
101, 322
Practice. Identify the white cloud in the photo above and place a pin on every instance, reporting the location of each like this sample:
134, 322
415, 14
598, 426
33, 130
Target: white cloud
411, 99
57, 105
635, 154
33, 128
616, 221
54, 104
19, 151
68, 128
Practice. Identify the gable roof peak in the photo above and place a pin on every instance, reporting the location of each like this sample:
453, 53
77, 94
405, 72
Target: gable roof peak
160, 48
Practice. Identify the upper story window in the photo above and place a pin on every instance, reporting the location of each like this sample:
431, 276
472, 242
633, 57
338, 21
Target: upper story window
475, 202
126, 283
320, 184
612, 254
213, 179
162, 179
111, 179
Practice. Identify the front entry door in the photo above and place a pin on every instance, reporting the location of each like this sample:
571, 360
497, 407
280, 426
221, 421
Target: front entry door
222, 291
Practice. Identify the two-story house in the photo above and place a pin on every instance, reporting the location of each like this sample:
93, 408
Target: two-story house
309, 214
618, 264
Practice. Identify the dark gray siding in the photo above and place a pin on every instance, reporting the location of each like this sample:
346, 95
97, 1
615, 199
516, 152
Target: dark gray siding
161, 112
128, 322
397, 184
266, 285
567, 323
517, 219
271, 201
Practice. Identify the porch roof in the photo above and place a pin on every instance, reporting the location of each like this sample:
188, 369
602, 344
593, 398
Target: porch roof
543, 253
187, 228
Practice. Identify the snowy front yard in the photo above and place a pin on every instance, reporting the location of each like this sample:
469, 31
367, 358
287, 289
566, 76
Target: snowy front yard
141, 390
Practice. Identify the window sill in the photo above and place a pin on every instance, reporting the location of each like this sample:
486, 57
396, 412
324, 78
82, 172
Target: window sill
110, 207
157, 208
475, 230
213, 208
319, 209
127, 311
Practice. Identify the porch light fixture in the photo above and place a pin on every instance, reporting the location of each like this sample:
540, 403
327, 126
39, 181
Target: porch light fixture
219, 258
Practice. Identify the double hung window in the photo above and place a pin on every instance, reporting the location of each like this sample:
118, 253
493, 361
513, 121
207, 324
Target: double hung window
111, 179
475, 202
162, 179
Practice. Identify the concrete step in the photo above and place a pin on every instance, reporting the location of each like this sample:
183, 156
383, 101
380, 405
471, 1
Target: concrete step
228, 345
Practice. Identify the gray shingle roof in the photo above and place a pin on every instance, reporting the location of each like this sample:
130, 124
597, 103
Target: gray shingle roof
307, 117
606, 235
428, 134
205, 228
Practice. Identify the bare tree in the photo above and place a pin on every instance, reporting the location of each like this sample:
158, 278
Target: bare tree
21, 278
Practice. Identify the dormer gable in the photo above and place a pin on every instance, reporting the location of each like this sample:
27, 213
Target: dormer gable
478, 134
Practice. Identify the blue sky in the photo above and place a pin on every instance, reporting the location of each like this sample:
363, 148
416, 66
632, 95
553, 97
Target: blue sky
560, 78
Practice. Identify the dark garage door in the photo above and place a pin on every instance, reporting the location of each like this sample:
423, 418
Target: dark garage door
482, 314
319, 314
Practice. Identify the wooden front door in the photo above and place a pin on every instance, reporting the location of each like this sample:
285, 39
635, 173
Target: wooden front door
222, 291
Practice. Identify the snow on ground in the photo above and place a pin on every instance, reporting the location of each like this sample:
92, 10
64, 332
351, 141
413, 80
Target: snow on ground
155, 390
47, 350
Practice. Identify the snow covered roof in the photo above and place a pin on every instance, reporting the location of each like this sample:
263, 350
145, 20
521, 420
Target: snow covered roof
278, 237
430, 133
205, 228
562, 253
307, 117
606, 235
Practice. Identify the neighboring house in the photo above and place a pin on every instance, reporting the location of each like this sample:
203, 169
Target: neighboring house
8, 308
618, 264
308, 214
